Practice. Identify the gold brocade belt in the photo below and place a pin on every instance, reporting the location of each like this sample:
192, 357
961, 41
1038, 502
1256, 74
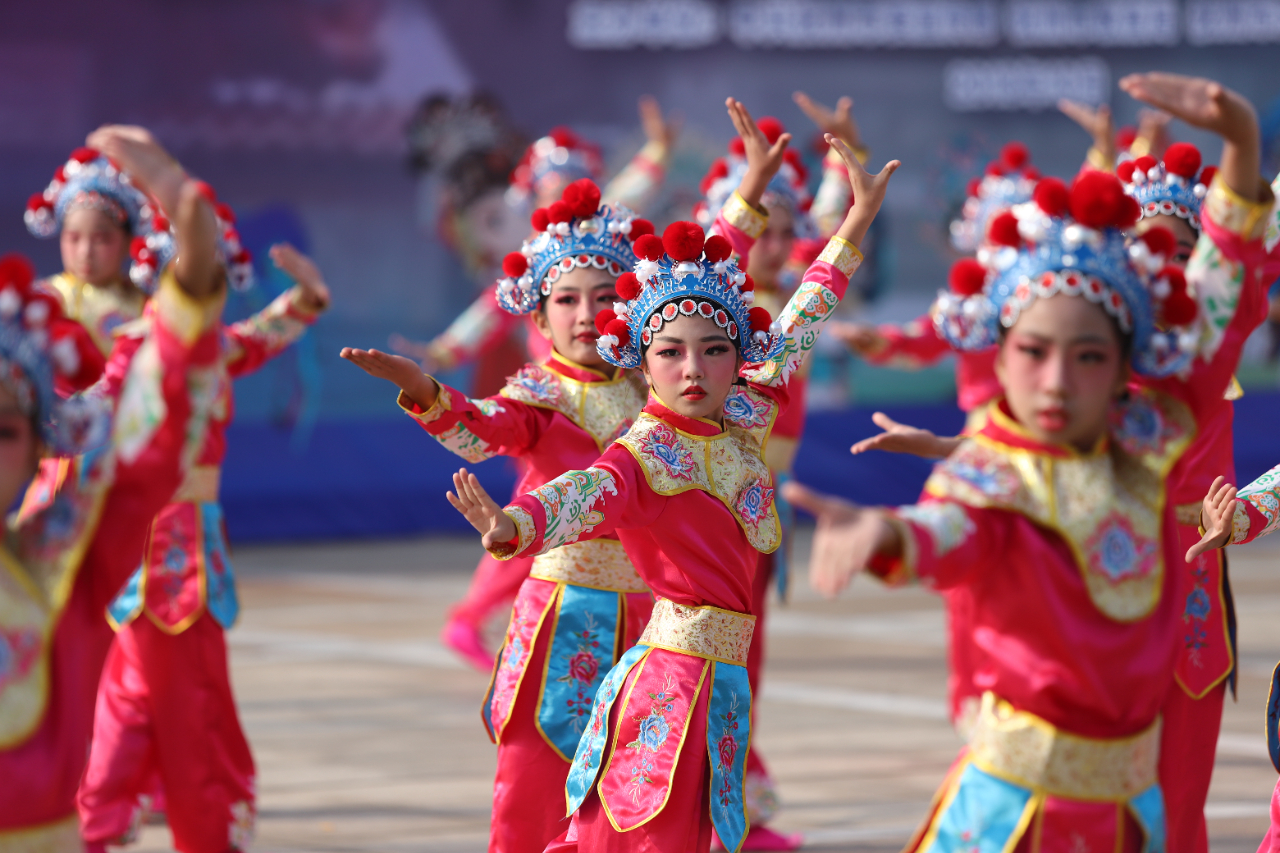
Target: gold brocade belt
596, 563
705, 632
62, 836
1188, 514
1029, 751
200, 485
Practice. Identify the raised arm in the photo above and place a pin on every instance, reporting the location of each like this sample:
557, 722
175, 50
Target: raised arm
481, 326
834, 195
256, 339
640, 181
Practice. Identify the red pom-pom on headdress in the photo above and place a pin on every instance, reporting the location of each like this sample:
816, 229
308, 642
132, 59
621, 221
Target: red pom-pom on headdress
558, 212
1031, 173
224, 212
995, 169
539, 219
515, 264
1014, 155
1183, 159
719, 169
604, 318
1130, 213
138, 250
649, 247
37, 201
748, 285
1178, 308
792, 157
563, 136
639, 228
717, 249
1003, 230
761, 320
1051, 196
973, 186
1146, 163
1160, 241
1207, 173
628, 286
683, 241
618, 328
737, 147
84, 155
967, 277
1126, 136
771, 128
583, 197
1097, 199
206, 192
1125, 171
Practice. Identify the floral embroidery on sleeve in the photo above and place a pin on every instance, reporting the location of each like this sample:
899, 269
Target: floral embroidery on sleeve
947, 523
569, 502
1264, 494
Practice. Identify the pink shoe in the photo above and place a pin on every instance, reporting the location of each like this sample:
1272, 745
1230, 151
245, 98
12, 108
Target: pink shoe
464, 638
763, 838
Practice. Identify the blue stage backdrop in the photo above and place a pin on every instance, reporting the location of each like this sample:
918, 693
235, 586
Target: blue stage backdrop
388, 478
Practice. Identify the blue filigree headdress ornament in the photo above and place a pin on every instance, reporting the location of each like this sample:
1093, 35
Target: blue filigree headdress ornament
1039, 249
575, 232
685, 273
1006, 182
1174, 186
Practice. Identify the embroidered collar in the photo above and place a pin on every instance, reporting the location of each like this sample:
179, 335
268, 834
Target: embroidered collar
1107, 505
603, 408
571, 369
727, 463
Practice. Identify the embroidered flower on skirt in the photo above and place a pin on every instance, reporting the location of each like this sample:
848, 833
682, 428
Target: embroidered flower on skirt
1119, 552
728, 751
662, 444
652, 737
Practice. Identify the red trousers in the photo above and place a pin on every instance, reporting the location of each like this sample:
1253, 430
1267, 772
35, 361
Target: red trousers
683, 825
1188, 742
529, 806
494, 585
165, 706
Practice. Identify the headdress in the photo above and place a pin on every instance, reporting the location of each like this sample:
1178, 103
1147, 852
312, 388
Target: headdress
37, 345
554, 161
1008, 180
576, 231
788, 188
685, 273
153, 251
467, 141
1072, 242
1174, 186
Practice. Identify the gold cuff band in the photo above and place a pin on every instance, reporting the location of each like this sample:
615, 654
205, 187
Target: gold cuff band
704, 632
1029, 751
596, 563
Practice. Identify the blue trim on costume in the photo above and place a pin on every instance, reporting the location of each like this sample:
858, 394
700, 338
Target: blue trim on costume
729, 733
128, 604
586, 632
219, 579
1273, 719
1148, 810
983, 815
590, 752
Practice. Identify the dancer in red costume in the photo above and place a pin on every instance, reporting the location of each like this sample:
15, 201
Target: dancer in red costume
582, 605
79, 536
491, 337
1232, 304
797, 228
689, 494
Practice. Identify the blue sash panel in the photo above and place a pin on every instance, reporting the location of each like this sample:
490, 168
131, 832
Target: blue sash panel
728, 739
985, 815
128, 604
583, 641
1273, 719
590, 752
1148, 810
220, 581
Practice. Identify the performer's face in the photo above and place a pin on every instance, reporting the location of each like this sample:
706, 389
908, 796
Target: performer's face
94, 247
691, 365
1184, 233
772, 251
19, 447
1061, 365
568, 317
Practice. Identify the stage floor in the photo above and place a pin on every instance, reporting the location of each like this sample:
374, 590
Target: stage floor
368, 738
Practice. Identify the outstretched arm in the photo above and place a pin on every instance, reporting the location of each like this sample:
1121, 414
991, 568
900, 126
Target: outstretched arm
846, 539
399, 371
763, 160
901, 438
832, 199
255, 340
1097, 122
495, 527
640, 180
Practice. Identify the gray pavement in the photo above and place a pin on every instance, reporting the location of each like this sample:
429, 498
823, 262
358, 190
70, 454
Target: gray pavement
368, 738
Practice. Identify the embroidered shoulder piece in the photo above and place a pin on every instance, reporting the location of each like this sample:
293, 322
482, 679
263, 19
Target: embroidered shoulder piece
728, 466
751, 412
26, 626
1108, 507
604, 410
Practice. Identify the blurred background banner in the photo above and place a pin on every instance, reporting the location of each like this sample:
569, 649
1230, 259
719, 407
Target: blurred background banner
297, 112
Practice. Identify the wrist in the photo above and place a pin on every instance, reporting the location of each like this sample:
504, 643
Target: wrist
422, 391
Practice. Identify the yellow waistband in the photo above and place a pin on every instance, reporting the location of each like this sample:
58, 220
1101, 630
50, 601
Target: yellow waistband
705, 632
596, 563
62, 836
200, 485
1031, 752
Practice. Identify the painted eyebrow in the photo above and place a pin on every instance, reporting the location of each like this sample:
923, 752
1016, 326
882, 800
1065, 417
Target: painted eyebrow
1082, 339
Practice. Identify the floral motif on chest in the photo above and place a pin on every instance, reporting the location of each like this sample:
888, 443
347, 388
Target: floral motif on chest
727, 466
1104, 506
1141, 427
749, 411
604, 410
